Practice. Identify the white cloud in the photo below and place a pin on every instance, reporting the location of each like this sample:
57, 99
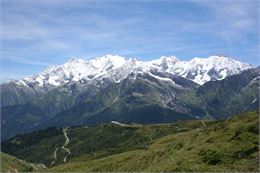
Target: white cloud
13, 57
60, 26
232, 19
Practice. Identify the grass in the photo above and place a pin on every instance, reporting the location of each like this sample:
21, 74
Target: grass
89, 142
36, 147
12, 164
227, 146
223, 146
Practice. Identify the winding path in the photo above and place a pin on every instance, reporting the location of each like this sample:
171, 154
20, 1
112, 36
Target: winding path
67, 140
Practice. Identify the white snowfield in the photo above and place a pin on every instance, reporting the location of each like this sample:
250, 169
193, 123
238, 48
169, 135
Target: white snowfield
199, 70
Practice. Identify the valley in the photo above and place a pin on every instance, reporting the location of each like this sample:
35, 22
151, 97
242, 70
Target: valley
230, 145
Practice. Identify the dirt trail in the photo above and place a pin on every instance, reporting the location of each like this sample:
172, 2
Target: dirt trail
66, 142
120, 124
203, 124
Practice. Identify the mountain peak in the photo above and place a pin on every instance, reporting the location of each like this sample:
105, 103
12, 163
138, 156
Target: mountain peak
199, 70
108, 61
169, 58
75, 60
220, 57
110, 57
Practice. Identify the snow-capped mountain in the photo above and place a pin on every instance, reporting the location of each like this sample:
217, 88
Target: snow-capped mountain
114, 88
202, 70
75, 70
199, 70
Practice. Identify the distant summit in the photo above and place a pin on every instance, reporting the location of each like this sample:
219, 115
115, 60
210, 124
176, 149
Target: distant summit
199, 70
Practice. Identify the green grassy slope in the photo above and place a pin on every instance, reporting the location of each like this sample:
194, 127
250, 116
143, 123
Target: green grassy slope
12, 164
36, 147
89, 142
231, 145
108, 139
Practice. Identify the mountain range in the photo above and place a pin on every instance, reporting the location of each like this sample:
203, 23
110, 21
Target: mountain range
108, 88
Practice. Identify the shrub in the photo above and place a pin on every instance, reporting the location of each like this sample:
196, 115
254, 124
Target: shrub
178, 145
246, 152
210, 156
253, 129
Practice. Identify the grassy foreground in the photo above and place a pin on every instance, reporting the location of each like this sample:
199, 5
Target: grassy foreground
90, 142
223, 146
12, 164
232, 145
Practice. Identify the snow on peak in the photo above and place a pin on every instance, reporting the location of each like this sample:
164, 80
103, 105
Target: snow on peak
199, 70
75, 69
202, 70
165, 62
108, 61
169, 58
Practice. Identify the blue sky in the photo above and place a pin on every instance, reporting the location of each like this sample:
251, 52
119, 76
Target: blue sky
35, 34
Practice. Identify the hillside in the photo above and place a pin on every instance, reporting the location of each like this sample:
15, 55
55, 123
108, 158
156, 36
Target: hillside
93, 141
12, 164
226, 146
230, 145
